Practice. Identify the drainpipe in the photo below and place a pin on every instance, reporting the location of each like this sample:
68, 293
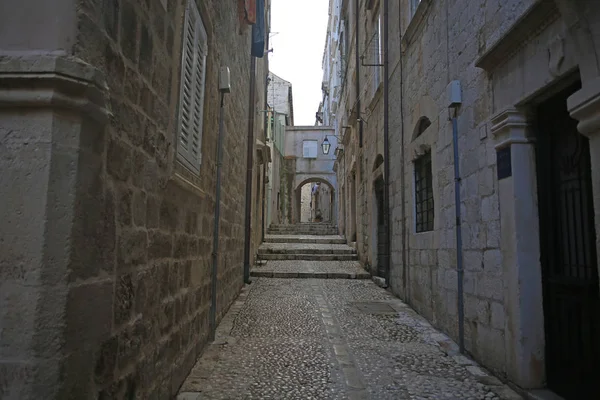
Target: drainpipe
459, 260
265, 122
264, 197
386, 149
249, 167
405, 258
357, 61
215, 252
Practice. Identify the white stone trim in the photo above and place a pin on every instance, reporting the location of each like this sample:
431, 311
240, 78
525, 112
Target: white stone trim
584, 106
510, 127
520, 245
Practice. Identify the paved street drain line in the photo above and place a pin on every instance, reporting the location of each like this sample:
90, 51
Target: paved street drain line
353, 379
374, 307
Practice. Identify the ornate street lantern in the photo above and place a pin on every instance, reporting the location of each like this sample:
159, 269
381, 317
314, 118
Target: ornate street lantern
326, 146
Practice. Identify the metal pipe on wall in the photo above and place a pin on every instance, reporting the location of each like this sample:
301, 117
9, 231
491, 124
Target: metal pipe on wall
403, 233
215, 251
357, 60
264, 167
459, 264
249, 168
386, 149
265, 128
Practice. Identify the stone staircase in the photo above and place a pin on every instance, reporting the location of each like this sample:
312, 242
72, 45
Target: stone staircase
306, 241
308, 250
305, 228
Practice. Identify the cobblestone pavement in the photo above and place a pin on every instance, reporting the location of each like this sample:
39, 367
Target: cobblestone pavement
332, 339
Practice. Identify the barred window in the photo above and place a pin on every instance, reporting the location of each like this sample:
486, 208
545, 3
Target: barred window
193, 74
423, 193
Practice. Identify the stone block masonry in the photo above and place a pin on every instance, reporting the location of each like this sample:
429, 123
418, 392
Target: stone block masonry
105, 280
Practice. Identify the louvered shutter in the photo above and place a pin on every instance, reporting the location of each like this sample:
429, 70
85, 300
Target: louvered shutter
193, 73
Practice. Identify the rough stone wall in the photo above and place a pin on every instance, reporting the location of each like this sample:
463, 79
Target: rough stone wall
161, 268
361, 160
260, 158
273, 189
442, 47
441, 43
278, 95
306, 214
372, 150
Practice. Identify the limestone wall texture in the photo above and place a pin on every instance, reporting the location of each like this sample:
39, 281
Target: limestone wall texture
306, 214
113, 300
429, 46
360, 158
441, 43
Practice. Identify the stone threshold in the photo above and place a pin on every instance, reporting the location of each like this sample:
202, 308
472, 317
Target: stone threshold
310, 275
308, 257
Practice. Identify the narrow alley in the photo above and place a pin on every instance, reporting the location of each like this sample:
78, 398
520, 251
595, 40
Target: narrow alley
316, 199
312, 326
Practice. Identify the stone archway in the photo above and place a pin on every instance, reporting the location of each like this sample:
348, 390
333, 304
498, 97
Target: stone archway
322, 209
305, 163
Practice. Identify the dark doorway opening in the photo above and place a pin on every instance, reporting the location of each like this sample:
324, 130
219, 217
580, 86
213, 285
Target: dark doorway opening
381, 231
353, 215
568, 252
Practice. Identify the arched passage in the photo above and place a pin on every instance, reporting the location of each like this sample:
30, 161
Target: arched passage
314, 201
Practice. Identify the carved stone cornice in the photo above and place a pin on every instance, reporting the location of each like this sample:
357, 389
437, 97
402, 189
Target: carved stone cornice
537, 18
510, 126
45, 81
584, 106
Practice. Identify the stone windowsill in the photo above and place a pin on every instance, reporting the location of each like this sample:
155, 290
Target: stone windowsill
182, 180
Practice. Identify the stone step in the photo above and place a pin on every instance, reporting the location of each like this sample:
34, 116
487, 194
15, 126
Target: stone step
299, 227
302, 232
310, 275
321, 239
308, 257
267, 250
303, 224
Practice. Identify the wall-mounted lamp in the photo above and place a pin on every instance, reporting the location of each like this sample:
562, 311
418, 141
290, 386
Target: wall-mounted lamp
326, 146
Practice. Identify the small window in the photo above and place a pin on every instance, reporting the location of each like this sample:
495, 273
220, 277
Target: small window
310, 148
193, 75
423, 193
421, 127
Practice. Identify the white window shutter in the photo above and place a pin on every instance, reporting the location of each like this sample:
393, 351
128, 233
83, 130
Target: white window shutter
193, 74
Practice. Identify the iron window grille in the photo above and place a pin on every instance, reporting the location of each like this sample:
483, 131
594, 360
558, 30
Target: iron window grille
424, 213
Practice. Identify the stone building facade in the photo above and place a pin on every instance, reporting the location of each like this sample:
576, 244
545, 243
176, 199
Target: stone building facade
529, 181
353, 105
306, 164
107, 203
280, 114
